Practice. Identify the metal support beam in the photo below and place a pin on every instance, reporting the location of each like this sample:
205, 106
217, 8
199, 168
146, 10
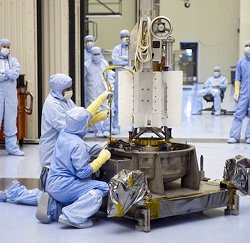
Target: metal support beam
39, 64
72, 71
83, 32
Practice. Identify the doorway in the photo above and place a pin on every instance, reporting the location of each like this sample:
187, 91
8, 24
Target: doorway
189, 62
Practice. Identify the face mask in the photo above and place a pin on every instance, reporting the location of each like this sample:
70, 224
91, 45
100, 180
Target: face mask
247, 50
90, 44
216, 74
5, 51
125, 40
96, 58
68, 94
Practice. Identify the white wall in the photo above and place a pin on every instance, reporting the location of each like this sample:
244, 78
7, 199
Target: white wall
244, 24
211, 23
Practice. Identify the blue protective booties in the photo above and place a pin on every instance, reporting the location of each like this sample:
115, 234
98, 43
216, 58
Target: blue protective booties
64, 220
232, 140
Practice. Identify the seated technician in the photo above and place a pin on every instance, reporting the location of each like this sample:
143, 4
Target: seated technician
214, 86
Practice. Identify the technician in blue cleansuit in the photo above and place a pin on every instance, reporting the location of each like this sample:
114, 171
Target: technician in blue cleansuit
214, 86
56, 104
69, 184
242, 97
89, 43
119, 58
9, 72
95, 85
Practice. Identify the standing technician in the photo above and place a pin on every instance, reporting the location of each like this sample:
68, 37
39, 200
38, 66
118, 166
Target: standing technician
9, 72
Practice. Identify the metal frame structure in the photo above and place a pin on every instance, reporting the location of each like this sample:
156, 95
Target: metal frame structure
106, 8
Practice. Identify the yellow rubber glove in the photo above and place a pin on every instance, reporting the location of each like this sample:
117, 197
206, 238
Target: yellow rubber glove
236, 90
100, 160
99, 116
94, 106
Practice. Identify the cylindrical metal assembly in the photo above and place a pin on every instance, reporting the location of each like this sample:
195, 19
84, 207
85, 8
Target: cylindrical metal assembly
169, 53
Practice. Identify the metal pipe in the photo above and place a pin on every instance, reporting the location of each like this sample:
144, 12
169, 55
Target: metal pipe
169, 53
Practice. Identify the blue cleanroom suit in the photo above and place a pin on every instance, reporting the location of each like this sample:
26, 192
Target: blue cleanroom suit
119, 58
53, 115
242, 108
9, 72
69, 180
93, 76
214, 86
89, 43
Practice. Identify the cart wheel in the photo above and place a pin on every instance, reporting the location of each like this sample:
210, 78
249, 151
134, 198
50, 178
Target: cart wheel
20, 142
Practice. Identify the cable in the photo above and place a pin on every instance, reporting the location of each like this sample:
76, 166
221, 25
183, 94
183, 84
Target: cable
143, 51
110, 88
108, 85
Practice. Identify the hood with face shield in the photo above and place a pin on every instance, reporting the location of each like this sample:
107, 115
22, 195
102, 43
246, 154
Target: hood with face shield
96, 54
217, 71
77, 120
89, 42
58, 83
124, 35
247, 48
4, 52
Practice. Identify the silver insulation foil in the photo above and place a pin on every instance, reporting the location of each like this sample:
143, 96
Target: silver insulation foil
237, 171
127, 188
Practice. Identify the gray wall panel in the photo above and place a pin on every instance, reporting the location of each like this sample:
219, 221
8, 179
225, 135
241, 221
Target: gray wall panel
55, 39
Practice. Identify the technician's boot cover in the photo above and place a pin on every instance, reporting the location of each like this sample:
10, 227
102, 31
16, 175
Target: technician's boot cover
4, 194
48, 209
106, 134
115, 131
99, 134
232, 140
217, 113
12, 147
64, 220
